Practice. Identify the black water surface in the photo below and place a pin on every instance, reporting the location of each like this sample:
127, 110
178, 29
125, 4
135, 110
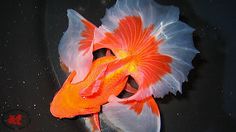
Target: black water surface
30, 72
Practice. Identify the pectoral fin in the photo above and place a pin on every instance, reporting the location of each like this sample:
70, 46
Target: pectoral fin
94, 87
76, 45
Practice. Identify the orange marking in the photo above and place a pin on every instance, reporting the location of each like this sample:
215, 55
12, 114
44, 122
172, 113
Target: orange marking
64, 67
132, 39
96, 121
130, 89
87, 34
137, 106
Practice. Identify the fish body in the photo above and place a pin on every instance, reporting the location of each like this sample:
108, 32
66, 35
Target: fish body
70, 100
156, 50
107, 73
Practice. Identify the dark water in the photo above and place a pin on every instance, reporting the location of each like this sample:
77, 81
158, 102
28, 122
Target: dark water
30, 72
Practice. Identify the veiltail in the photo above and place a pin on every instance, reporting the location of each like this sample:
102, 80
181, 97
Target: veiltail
162, 48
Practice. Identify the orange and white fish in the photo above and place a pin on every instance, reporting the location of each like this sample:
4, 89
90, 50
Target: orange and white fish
149, 43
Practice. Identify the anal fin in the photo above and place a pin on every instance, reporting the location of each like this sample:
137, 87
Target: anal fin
134, 116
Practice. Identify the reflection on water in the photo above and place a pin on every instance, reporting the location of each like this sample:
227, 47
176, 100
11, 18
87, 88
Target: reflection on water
207, 100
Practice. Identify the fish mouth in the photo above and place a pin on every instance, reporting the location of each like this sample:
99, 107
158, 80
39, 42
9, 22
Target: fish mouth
60, 111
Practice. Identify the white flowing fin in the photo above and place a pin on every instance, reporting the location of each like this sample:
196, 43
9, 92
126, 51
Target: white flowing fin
178, 45
127, 19
76, 45
148, 10
160, 73
134, 116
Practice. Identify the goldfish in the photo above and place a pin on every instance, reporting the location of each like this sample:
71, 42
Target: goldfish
144, 41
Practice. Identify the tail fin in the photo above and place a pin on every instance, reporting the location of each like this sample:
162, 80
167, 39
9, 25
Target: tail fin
134, 116
76, 46
152, 32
